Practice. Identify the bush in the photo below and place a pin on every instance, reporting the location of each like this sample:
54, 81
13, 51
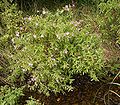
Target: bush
49, 49
10, 22
109, 26
110, 19
33, 101
10, 96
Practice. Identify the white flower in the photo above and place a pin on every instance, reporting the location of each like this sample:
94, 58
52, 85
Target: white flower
24, 48
36, 84
72, 34
36, 24
58, 36
79, 29
38, 11
15, 47
29, 82
17, 34
52, 56
87, 33
42, 36
66, 8
11, 55
72, 22
75, 24
81, 21
34, 36
10, 70
24, 70
57, 80
67, 33
53, 59
33, 79
25, 18
55, 48
30, 64
65, 51
73, 5
13, 40
44, 12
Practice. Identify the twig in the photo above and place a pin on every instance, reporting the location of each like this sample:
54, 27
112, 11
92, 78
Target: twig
112, 83
105, 99
115, 93
97, 93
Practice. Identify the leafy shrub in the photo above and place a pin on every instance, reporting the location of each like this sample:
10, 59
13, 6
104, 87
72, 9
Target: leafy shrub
33, 101
50, 48
110, 19
10, 96
109, 26
10, 22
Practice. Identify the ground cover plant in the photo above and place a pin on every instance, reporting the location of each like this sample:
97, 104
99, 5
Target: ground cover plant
43, 52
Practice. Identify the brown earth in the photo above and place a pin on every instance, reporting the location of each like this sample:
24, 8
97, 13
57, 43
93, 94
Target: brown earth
86, 92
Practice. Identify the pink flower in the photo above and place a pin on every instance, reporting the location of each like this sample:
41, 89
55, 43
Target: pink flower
29, 18
21, 28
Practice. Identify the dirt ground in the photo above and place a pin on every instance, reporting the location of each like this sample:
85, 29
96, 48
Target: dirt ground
86, 92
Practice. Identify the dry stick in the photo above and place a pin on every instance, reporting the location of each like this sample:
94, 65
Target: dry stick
107, 92
105, 99
113, 101
115, 93
115, 77
97, 93
115, 84
111, 85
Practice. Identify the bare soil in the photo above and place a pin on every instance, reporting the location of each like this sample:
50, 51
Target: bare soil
86, 92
